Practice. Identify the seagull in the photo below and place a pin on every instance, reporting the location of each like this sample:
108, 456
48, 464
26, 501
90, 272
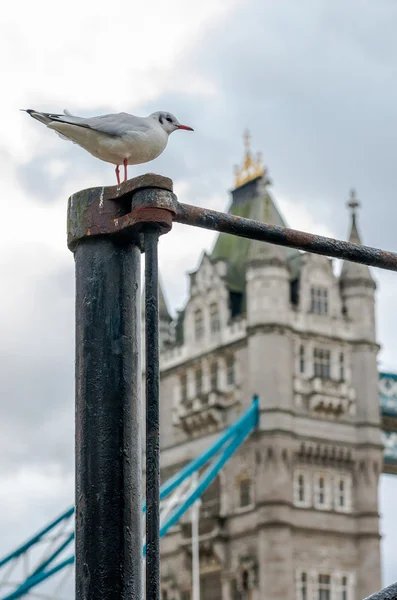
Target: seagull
119, 139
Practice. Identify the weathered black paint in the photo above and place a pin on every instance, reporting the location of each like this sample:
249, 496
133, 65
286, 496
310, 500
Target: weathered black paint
389, 593
108, 420
152, 417
282, 236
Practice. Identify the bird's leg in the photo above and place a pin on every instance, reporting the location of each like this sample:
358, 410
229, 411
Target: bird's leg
118, 174
125, 163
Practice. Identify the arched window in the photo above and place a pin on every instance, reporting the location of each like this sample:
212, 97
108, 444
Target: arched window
342, 493
342, 366
302, 489
215, 323
319, 300
198, 325
322, 363
214, 376
324, 587
230, 370
302, 586
183, 381
245, 492
322, 491
198, 375
301, 358
344, 588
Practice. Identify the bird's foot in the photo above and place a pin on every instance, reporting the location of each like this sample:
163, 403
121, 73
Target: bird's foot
125, 163
118, 174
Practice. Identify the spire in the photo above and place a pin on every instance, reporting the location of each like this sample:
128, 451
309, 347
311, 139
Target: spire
251, 167
355, 272
251, 199
354, 204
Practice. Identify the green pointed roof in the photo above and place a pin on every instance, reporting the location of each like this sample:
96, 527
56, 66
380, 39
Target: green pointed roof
355, 272
251, 200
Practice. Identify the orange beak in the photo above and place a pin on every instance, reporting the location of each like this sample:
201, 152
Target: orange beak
185, 127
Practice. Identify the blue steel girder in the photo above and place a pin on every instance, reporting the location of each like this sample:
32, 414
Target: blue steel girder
57, 560
388, 411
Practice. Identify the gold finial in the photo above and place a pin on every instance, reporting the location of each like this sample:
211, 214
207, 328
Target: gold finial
251, 167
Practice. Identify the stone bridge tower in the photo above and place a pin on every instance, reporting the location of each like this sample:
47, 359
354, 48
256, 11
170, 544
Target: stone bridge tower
294, 515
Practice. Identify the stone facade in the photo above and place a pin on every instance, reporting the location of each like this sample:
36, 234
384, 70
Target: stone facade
294, 514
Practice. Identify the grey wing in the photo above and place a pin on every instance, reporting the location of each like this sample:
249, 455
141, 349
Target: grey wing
112, 124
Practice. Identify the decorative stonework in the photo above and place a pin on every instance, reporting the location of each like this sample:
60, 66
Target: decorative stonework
205, 414
276, 457
199, 419
325, 454
325, 397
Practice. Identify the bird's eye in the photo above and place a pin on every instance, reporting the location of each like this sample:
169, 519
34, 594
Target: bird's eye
169, 119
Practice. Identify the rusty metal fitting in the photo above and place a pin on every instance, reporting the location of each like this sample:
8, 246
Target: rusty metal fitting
145, 202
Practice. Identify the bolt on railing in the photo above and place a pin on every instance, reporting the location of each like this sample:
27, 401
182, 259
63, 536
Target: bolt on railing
108, 228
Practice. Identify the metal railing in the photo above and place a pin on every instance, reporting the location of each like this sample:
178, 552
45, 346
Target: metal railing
108, 228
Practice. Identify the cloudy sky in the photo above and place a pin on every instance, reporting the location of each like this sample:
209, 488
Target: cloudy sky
315, 81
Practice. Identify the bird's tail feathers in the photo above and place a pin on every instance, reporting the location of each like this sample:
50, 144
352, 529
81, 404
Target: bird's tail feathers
42, 117
46, 118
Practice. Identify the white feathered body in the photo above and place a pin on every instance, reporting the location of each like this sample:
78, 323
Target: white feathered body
136, 146
113, 138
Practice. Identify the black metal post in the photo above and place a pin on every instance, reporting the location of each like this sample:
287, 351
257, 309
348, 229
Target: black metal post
108, 421
105, 229
152, 417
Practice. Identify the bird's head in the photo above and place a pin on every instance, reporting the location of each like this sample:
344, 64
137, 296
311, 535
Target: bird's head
168, 122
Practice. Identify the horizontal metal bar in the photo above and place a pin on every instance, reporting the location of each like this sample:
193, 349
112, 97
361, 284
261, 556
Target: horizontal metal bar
389, 593
282, 236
